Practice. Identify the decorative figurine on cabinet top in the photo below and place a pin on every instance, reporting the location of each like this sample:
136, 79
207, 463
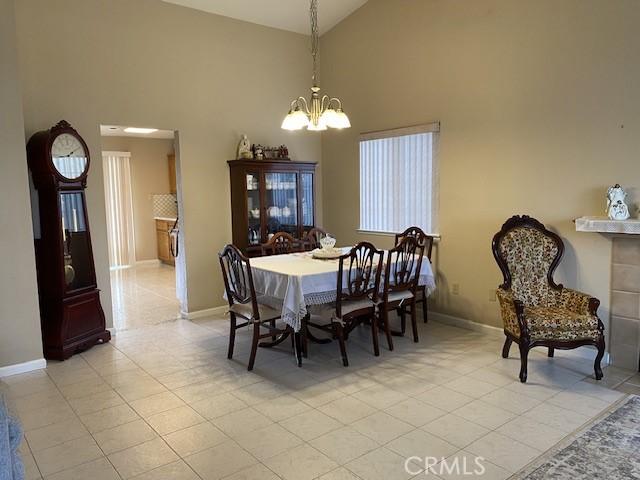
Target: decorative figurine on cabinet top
244, 148
616, 207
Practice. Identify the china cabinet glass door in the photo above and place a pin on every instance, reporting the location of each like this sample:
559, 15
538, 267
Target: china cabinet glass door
308, 221
254, 209
281, 202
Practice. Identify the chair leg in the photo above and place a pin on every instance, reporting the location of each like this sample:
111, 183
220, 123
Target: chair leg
596, 364
551, 352
254, 345
524, 354
232, 335
425, 319
385, 324
403, 319
339, 332
298, 347
304, 338
506, 347
273, 326
374, 336
414, 321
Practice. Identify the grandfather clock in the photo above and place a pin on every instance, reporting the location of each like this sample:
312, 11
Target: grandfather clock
71, 316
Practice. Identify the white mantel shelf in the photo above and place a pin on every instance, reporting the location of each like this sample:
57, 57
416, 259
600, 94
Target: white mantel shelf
606, 225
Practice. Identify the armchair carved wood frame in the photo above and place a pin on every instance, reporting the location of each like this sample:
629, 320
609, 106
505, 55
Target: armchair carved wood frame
536, 311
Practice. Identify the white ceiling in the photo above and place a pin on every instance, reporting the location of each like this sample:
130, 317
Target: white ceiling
292, 15
118, 131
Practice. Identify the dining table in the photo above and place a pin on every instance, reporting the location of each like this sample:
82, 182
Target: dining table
295, 281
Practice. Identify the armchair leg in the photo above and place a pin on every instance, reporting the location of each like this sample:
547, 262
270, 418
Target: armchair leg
385, 324
551, 352
506, 347
232, 336
254, 344
425, 318
339, 332
414, 322
596, 365
524, 354
374, 336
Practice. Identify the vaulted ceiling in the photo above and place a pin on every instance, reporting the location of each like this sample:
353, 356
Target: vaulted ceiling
292, 15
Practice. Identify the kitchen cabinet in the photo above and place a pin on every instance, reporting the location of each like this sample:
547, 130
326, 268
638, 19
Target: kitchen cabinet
163, 230
269, 196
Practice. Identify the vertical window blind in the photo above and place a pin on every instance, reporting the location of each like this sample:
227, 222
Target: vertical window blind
119, 206
397, 180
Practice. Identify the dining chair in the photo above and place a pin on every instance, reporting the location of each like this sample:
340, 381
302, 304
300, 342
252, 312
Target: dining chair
358, 283
312, 238
281, 243
427, 240
400, 283
243, 303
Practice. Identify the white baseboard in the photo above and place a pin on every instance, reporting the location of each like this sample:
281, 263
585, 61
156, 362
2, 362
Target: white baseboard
463, 323
112, 331
24, 367
155, 261
207, 312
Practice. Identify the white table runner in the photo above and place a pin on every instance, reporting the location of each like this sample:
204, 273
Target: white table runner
293, 281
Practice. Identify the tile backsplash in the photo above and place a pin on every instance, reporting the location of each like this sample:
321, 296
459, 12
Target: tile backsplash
165, 205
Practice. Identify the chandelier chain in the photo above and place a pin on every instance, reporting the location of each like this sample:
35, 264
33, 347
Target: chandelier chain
314, 39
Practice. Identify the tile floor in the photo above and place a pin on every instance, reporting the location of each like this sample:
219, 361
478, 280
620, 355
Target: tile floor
143, 295
163, 402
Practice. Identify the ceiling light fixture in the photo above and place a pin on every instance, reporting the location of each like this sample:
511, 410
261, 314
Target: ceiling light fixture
140, 130
325, 111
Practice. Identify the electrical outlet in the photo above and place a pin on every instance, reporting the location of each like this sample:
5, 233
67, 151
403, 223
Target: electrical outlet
492, 295
455, 289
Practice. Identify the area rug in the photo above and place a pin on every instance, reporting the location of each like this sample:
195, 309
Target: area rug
608, 449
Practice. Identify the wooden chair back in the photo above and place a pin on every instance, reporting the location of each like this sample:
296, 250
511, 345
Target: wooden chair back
238, 281
402, 268
281, 243
359, 274
422, 238
312, 238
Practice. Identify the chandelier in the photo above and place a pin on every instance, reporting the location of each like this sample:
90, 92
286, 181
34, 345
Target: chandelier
320, 112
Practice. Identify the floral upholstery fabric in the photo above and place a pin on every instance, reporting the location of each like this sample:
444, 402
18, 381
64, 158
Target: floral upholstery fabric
529, 253
557, 323
549, 314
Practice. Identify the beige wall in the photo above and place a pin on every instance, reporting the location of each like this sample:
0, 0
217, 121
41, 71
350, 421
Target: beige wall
20, 339
149, 63
540, 112
149, 175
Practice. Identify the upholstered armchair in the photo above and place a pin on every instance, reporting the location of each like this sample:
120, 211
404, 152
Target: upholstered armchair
535, 310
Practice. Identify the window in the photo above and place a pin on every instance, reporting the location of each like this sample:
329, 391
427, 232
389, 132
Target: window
398, 179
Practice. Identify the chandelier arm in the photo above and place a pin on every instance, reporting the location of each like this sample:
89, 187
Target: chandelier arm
336, 99
302, 102
323, 107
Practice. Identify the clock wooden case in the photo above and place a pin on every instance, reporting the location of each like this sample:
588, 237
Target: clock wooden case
71, 316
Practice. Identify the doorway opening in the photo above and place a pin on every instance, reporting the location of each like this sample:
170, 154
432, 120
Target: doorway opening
142, 199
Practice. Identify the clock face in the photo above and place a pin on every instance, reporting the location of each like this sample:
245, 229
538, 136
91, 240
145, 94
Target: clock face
68, 156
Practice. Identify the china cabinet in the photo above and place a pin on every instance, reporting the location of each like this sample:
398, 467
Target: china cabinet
269, 196
71, 316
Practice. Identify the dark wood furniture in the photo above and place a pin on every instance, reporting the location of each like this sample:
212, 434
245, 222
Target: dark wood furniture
243, 303
71, 315
535, 310
270, 196
402, 272
163, 238
282, 243
427, 241
358, 282
312, 238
